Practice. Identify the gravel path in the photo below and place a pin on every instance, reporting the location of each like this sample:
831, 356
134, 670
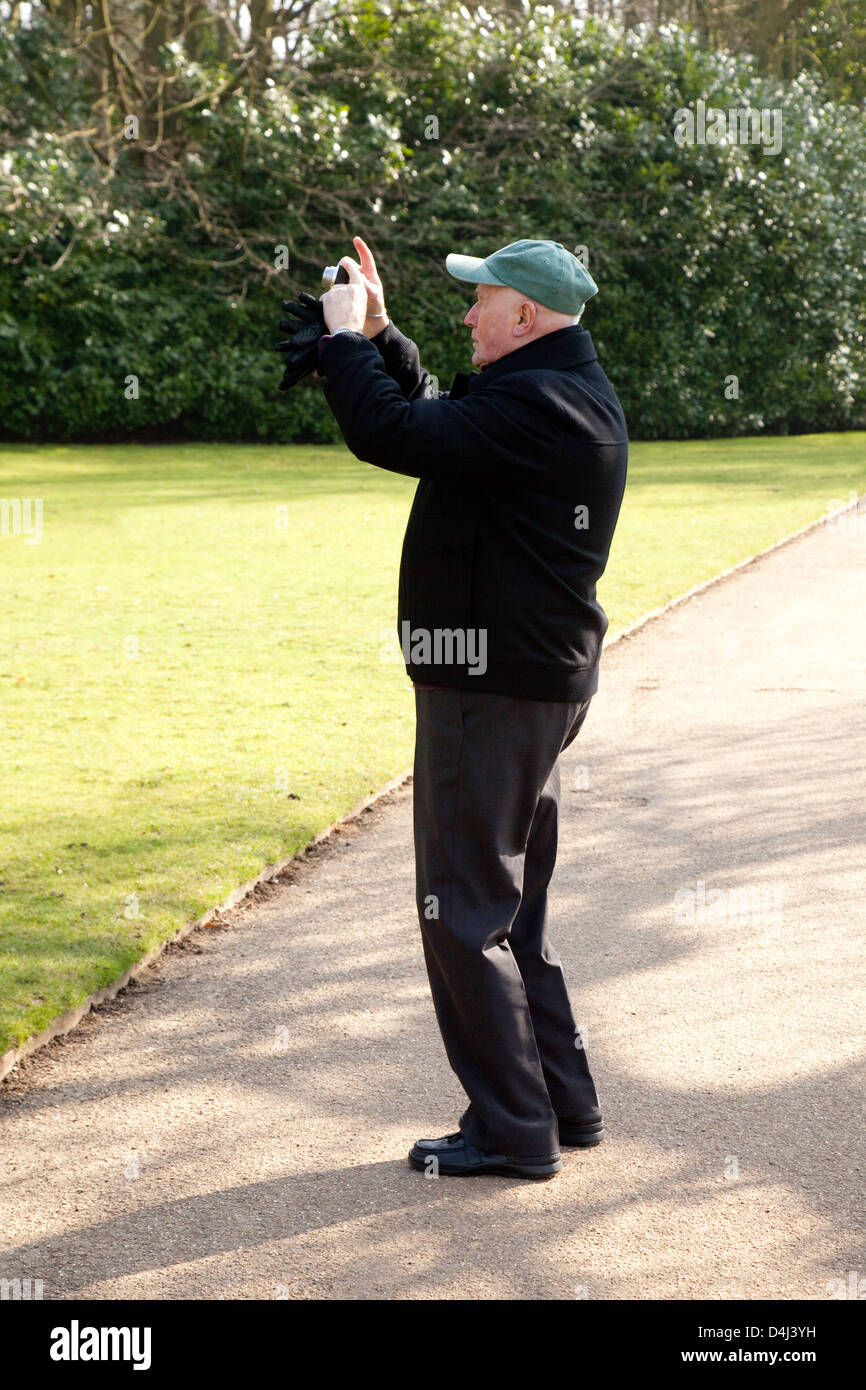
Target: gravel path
236, 1126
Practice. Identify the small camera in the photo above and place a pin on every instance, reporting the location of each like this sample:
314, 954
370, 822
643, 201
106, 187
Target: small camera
334, 275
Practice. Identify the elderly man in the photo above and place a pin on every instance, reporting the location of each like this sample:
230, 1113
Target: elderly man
522, 468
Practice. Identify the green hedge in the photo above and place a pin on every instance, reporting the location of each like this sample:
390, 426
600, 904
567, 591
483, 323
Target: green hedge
712, 260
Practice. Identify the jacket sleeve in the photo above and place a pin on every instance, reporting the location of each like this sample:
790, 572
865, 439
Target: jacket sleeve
401, 361
403, 364
494, 437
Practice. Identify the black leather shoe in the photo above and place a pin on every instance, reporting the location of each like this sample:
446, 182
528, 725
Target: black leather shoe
577, 1133
453, 1156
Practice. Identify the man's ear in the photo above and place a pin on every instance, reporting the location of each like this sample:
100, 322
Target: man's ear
526, 318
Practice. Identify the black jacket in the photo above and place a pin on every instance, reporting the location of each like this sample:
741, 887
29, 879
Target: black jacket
522, 469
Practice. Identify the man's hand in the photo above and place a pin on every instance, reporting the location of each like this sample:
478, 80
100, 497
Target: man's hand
345, 306
358, 305
375, 317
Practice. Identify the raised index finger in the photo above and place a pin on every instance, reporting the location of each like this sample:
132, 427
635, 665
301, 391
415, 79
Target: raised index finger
368, 264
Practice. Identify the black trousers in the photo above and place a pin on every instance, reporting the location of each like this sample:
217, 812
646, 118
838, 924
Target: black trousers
486, 810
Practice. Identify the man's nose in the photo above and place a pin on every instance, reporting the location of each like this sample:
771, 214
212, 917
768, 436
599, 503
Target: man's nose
471, 318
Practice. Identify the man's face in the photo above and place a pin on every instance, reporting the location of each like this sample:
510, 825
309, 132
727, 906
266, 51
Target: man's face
493, 318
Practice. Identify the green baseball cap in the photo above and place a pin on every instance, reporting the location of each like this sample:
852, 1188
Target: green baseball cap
542, 270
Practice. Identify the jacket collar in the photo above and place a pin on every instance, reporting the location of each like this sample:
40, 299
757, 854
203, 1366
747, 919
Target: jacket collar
565, 347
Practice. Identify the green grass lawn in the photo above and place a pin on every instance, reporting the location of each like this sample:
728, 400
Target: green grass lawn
194, 676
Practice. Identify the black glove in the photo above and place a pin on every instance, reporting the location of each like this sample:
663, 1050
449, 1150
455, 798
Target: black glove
305, 327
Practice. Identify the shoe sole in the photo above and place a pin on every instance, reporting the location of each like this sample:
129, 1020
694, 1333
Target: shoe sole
582, 1139
537, 1172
